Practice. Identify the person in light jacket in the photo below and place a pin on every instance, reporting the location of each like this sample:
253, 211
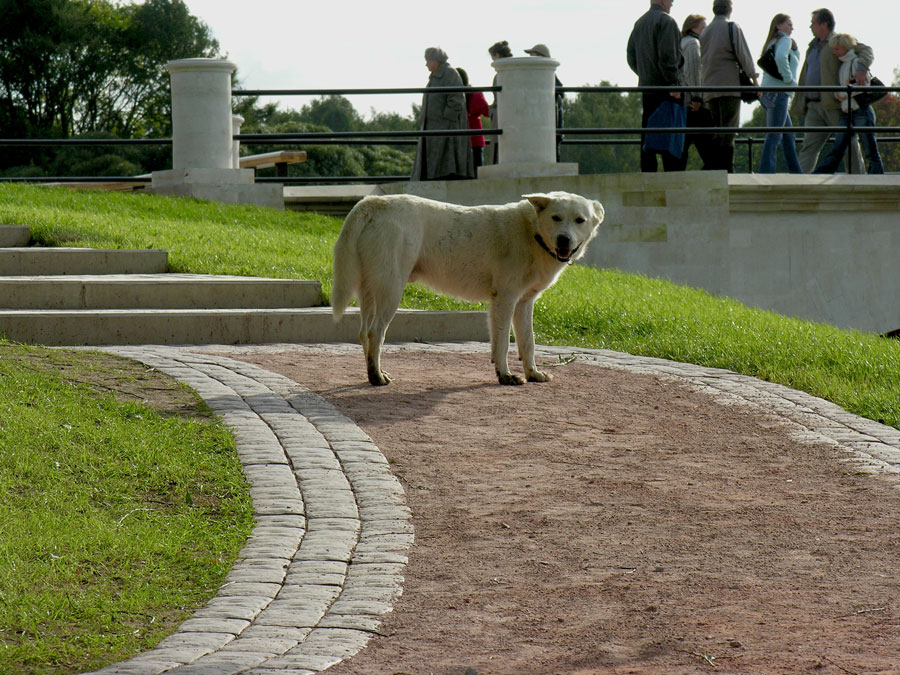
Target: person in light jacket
443, 157
822, 109
775, 103
723, 51
844, 46
697, 114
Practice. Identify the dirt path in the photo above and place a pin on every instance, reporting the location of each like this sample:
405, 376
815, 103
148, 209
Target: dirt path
610, 522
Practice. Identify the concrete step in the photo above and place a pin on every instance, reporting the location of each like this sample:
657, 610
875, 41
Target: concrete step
14, 235
155, 291
43, 261
228, 326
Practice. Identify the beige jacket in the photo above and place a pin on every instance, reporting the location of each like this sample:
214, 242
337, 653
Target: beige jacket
719, 60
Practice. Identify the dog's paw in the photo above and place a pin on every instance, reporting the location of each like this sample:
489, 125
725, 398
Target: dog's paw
539, 376
509, 378
379, 378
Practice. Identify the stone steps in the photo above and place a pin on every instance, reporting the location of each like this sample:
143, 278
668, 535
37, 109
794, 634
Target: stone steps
155, 291
44, 261
83, 296
227, 326
14, 236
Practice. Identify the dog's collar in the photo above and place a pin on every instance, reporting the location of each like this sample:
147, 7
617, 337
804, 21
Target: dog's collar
540, 240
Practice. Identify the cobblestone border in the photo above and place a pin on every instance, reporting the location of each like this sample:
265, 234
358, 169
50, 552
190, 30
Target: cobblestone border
326, 557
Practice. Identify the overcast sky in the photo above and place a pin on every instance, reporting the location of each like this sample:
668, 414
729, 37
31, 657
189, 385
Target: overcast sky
318, 44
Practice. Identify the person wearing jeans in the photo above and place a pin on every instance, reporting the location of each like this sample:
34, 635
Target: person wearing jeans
863, 116
775, 103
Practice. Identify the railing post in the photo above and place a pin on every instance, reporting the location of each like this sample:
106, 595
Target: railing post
236, 122
850, 138
526, 108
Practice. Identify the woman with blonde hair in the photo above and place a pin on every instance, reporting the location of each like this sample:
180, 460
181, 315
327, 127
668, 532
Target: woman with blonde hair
781, 71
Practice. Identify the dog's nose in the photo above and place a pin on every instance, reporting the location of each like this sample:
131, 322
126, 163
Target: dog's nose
563, 243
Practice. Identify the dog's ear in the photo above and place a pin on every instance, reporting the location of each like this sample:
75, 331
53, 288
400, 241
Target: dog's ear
599, 211
538, 201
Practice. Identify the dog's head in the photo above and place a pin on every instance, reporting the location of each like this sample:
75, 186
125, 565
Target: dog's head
565, 223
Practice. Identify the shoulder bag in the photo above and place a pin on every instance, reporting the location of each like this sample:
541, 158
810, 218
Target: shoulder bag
867, 98
767, 62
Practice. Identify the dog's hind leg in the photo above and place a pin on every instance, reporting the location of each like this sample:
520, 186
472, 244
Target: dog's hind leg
500, 314
524, 330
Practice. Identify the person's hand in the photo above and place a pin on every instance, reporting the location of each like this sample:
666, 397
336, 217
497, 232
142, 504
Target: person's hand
675, 94
695, 106
860, 77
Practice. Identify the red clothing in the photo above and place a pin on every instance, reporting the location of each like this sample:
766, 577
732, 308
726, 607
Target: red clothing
477, 106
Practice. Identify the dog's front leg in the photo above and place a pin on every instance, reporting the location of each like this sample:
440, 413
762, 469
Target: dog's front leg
500, 314
524, 329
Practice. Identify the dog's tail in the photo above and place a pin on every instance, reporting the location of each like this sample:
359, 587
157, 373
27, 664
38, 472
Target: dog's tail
345, 271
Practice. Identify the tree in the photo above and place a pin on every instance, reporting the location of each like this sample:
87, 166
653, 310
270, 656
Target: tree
598, 110
328, 160
69, 67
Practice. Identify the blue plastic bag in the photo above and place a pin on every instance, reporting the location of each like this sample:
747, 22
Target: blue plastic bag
667, 115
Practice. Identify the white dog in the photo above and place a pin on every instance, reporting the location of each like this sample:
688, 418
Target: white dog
507, 255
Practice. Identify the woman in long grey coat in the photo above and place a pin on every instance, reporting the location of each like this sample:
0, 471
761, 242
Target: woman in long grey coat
443, 157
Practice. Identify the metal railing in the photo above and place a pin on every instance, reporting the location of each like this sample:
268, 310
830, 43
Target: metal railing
744, 135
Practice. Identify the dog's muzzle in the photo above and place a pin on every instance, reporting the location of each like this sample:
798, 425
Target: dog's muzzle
563, 252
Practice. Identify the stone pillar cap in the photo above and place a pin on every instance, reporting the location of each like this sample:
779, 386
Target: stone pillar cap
524, 62
201, 64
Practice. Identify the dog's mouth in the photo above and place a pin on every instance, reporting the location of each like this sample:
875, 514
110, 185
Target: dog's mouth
563, 255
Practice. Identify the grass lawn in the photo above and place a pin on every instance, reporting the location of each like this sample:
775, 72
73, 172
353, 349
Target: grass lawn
122, 506
587, 308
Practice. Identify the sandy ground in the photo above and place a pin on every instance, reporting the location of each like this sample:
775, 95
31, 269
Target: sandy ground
609, 522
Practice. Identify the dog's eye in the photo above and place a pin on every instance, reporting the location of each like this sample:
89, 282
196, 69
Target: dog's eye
579, 220
557, 219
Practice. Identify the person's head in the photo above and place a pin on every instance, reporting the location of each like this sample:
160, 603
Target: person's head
464, 76
539, 50
722, 7
841, 43
666, 5
780, 22
694, 23
822, 23
435, 57
500, 50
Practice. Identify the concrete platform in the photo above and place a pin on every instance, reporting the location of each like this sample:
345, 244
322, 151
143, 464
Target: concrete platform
228, 326
331, 200
43, 261
155, 291
14, 235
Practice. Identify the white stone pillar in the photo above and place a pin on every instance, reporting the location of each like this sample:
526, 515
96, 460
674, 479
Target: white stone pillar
201, 113
204, 160
526, 107
236, 122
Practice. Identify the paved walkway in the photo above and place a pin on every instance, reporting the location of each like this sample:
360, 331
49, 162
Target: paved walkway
326, 557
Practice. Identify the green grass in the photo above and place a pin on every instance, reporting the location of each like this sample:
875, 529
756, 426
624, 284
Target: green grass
117, 518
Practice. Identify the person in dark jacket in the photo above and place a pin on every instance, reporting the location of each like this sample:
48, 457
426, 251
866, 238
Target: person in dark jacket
654, 54
443, 157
